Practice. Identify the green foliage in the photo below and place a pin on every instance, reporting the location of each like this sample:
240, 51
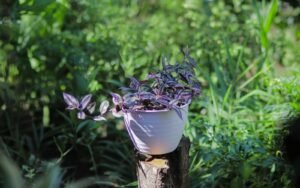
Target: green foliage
290, 88
11, 176
248, 53
265, 22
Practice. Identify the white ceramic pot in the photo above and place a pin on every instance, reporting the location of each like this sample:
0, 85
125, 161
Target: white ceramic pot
156, 132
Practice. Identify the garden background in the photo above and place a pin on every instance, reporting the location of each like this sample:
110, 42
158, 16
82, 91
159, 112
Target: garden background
248, 62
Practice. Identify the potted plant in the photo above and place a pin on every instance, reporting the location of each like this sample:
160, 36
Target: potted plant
154, 110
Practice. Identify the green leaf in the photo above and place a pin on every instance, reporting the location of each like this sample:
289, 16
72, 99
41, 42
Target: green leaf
82, 125
270, 16
86, 182
246, 171
52, 179
132, 184
10, 173
236, 183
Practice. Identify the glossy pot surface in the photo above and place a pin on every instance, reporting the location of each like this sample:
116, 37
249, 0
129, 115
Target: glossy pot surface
156, 132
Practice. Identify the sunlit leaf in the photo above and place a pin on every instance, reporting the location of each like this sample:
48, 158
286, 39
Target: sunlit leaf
104, 107
116, 98
99, 118
85, 101
91, 107
81, 115
117, 113
71, 101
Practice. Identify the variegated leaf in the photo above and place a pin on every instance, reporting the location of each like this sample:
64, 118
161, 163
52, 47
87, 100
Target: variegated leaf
91, 107
81, 115
116, 98
178, 111
117, 113
71, 101
103, 107
85, 101
99, 118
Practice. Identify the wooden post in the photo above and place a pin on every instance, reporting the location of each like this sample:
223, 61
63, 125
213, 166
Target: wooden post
164, 171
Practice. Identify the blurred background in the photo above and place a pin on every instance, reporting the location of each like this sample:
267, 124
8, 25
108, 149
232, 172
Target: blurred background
248, 55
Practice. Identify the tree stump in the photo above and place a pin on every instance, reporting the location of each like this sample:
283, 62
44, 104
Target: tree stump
164, 171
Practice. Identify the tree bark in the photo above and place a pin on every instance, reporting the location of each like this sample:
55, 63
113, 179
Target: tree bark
164, 171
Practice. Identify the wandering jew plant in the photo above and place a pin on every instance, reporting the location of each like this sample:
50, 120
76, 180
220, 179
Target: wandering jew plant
85, 107
169, 88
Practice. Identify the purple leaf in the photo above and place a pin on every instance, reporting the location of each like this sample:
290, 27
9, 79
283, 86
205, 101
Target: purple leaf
130, 96
196, 88
134, 84
185, 96
81, 115
138, 107
91, 107
103, 107
197, 85
130, 102
171, 83
159, 91
191, 60
173, 102
125, 89
152, 75
183, 78
99, 118
116, 98
185, 51
117, 113
178, 111
85, 101
188, 76
146, 95
163, 102
71, 101
179, 86
164, 97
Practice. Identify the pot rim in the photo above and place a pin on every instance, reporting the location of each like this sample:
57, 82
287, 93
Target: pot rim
155, 111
